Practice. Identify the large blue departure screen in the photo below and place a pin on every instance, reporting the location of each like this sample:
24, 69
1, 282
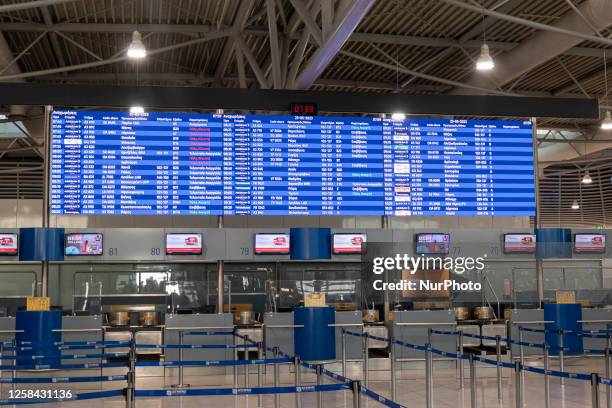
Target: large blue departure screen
116, 163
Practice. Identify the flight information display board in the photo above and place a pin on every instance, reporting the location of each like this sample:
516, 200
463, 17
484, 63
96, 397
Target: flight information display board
159, 163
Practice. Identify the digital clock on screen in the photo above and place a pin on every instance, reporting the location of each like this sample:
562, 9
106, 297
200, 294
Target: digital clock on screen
303, 108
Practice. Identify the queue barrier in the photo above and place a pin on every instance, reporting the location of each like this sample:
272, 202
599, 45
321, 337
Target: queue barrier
379, 398
355, 385
210, 363
20, 367
597, 334
197, 346
362, 389
71, 347
61, 380
503, 340
70, 356
554, 373
68, 343
209, 333
242, 391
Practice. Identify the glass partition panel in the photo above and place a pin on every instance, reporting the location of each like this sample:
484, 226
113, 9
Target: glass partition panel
340, 282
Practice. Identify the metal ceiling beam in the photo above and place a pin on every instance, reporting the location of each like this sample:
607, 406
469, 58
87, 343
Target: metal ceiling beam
426, 76
31, 74
330, 48
574, 31
240, 65
308, 20
543, 46
568, 31
261, 31
591, 76
261, 78
238, 23
274, 48
31, 4
55, 45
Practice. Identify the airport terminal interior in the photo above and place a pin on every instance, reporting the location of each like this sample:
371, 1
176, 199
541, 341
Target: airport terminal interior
305, 203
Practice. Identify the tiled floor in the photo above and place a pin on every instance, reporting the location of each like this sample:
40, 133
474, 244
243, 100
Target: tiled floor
410, 390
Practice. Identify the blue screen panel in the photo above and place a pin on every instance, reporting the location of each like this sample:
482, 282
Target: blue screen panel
117, 163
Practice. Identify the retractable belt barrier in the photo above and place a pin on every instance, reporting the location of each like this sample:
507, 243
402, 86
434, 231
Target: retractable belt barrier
69, 356
64, 345
503, 340
594, 334
197, 346
207, 363
242, 391
379, 398
554, 373
60, 366
364, 390
59, 380
208, 333
71, 347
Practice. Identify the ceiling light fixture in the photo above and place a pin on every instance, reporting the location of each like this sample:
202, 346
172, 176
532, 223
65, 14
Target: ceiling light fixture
606, 123
575, 205
398, 116
137, 110
485, 61
137, 49
586, 179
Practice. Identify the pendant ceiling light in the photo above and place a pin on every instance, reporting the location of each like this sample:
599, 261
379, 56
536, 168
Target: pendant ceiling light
586, 179
485, 61
137, 49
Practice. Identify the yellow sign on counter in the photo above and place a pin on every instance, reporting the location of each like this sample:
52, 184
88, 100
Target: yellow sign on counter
37, 304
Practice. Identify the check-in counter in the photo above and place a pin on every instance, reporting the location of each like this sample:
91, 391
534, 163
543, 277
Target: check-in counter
412, 327
278, 331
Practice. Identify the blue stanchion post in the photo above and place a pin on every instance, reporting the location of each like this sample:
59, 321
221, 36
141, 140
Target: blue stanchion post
561, 355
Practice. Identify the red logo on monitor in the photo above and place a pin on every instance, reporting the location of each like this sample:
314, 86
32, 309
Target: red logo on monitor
191, 241
281, 241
